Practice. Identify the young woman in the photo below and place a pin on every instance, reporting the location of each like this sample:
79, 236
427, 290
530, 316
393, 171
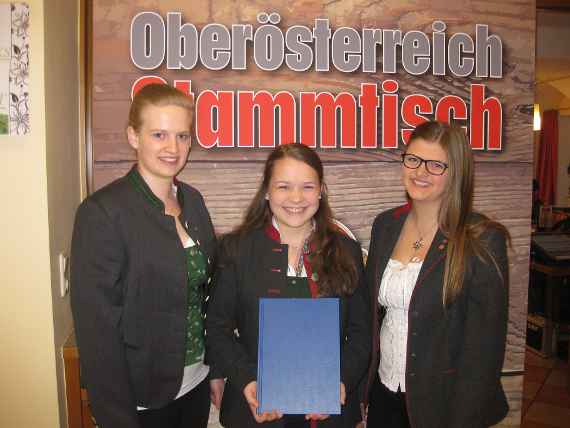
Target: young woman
142, 255
438, 278
287, 246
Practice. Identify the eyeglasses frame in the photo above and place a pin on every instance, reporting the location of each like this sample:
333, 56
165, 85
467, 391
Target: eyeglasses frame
425, 162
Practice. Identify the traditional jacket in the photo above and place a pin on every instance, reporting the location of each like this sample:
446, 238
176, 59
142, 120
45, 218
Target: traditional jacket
129, 295
258, 269
454, 354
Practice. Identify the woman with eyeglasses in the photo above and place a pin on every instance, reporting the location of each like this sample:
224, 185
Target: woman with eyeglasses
438, 278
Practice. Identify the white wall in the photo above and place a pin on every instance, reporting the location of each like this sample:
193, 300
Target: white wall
28, 391
62, 85
39, 189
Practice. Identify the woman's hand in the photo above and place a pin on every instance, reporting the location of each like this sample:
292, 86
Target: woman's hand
217, 391
319, 417
316, 417
250, 393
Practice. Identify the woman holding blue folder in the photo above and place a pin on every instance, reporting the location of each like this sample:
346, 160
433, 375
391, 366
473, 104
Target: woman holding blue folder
438, 278
286, 246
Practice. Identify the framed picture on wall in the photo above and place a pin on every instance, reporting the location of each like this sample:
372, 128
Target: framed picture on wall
14, 69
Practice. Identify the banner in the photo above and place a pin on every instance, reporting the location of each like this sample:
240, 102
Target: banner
351, 79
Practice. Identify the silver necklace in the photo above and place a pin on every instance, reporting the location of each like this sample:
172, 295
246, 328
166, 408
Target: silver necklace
300, 258
419, 243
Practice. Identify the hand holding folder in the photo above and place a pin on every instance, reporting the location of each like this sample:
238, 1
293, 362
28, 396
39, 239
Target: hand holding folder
250, 393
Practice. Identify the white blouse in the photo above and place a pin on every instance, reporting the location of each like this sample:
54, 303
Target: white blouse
396, 287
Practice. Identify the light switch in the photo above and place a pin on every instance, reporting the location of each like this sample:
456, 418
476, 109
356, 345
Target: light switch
63, 274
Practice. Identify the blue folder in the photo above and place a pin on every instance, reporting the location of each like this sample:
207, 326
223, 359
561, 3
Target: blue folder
298, 367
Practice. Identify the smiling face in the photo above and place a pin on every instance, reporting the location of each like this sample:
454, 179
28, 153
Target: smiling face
293, 194
162, 142
421, 185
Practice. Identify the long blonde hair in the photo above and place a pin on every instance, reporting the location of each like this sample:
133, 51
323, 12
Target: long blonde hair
455, 214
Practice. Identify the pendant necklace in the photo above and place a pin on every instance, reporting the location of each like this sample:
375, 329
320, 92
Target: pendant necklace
304, 249
419, 243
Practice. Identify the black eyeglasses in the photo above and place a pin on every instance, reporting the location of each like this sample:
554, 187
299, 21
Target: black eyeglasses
434, 167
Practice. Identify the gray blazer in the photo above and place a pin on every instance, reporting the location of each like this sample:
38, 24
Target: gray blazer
129, 295
455, 355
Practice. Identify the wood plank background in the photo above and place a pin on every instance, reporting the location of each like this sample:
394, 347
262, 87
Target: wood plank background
361, 183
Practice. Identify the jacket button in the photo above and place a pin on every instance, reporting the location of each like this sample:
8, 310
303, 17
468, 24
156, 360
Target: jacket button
414, 333
415, 314
411, 374
413, 355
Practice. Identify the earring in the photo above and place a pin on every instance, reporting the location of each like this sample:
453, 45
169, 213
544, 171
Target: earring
320, 196
267, 196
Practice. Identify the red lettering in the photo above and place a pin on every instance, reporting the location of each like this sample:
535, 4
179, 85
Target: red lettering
184, 86
448, 104
266, 105
215, 112
327, 107
413, 107
215, 106
390, 115
491, 109
369, 101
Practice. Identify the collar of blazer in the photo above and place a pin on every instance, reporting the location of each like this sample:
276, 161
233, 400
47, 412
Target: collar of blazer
272, 233
435, 255
154, 204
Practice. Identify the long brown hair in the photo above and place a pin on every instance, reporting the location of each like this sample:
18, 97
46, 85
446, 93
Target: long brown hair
455, 214
336, 273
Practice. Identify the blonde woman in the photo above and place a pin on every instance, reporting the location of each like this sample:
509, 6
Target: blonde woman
142, 255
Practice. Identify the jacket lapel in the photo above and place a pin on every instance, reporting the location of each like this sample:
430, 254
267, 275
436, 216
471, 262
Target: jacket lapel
388, 242
435, 255
195, 228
